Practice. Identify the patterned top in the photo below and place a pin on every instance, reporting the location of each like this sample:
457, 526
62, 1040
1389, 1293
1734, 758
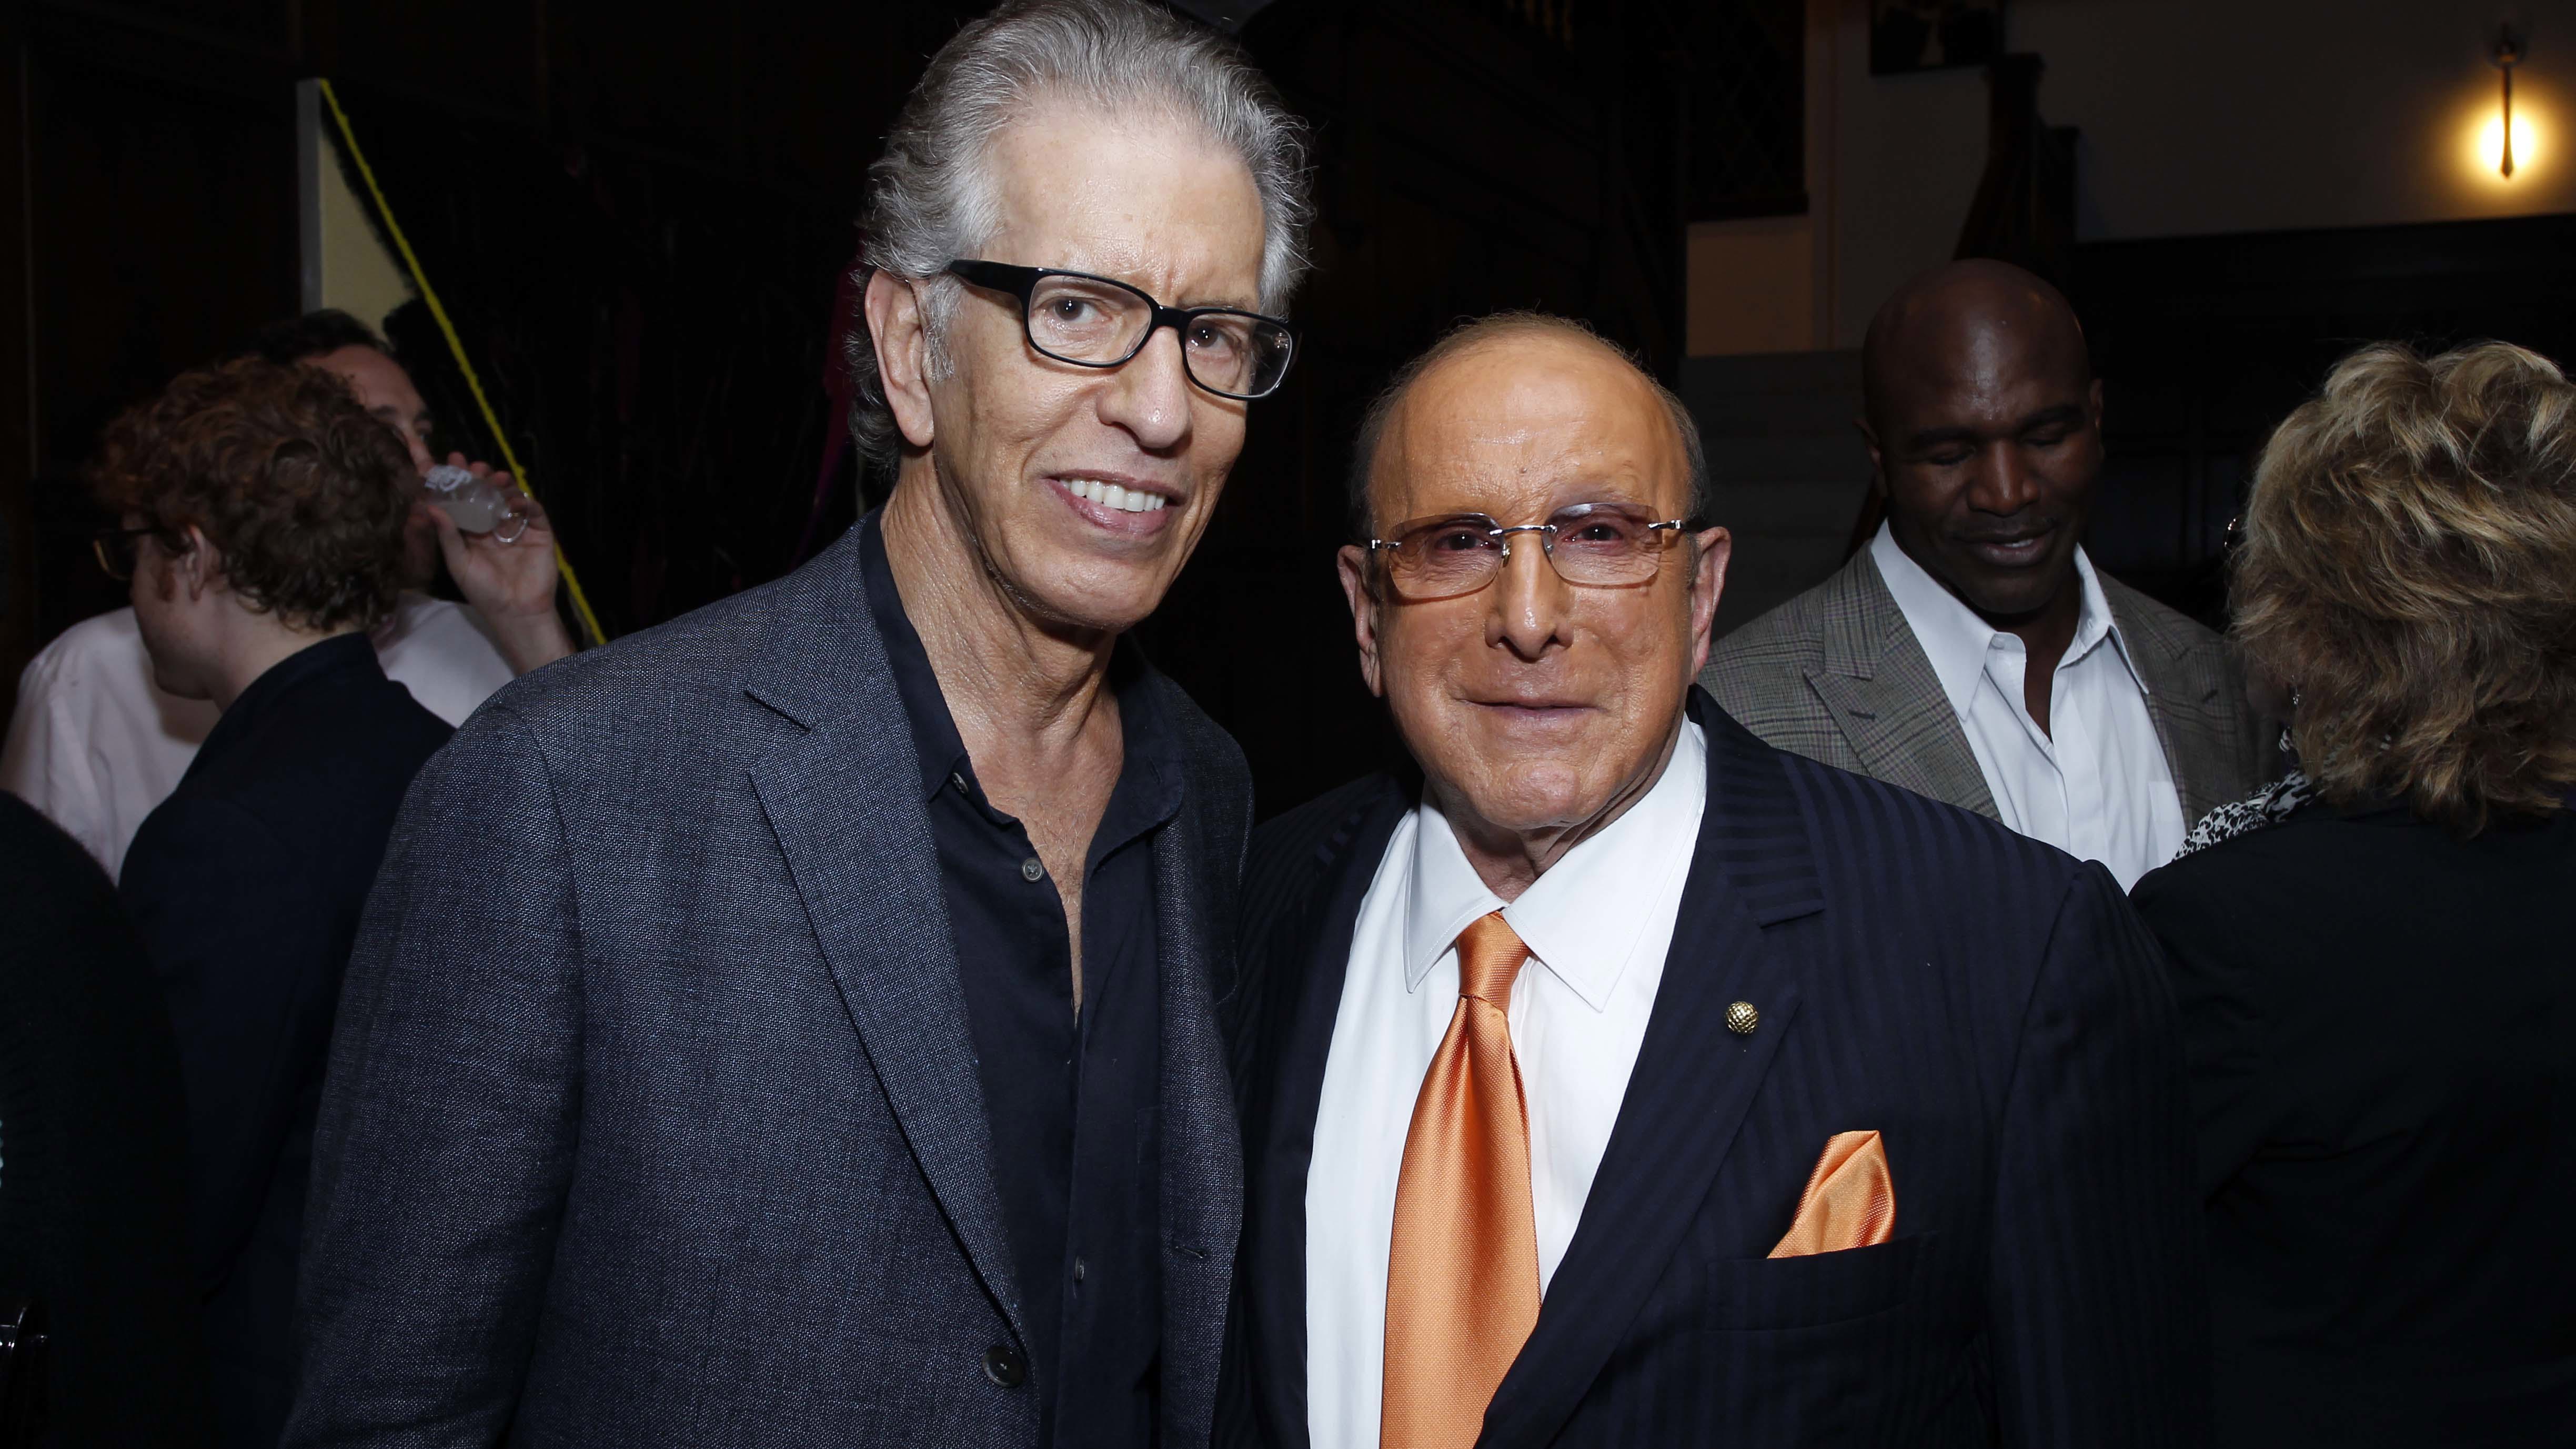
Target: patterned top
2265, 807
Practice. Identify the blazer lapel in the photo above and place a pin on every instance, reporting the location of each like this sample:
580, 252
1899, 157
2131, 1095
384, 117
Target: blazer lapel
844, 801
1753, 867
1878, 685
1202, 1157
2186, 703
1307, 978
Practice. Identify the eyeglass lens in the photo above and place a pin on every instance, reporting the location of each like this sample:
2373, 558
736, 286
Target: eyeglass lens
115, 551
1595, 546
1101, 324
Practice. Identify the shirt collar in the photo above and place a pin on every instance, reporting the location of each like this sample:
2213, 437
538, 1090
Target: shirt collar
1583, 919
1957, 641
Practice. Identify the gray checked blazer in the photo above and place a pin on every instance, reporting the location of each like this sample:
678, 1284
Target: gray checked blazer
652, 1115
1837, 675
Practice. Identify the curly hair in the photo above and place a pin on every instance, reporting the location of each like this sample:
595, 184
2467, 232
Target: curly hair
2409, 568
302, 493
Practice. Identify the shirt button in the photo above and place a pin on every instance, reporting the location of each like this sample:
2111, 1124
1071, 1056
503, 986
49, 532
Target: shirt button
1031, 869
958, 779
1003, 1367
1077, 1270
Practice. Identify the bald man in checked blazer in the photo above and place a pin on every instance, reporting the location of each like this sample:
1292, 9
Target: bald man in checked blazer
1971, 651
1611, 1077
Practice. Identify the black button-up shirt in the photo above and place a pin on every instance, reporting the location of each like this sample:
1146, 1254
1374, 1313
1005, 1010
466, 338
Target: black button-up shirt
1072, 1099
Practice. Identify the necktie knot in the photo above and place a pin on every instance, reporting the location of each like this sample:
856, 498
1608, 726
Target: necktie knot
1490, 954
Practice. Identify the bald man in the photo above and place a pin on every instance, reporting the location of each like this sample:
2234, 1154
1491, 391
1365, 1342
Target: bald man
1972, 652
1614, 1078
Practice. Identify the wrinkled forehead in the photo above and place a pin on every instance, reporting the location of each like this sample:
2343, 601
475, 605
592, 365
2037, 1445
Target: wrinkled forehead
1146, 197
1518, 430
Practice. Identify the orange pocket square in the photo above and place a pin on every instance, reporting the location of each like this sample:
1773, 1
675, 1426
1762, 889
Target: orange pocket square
1850, 1201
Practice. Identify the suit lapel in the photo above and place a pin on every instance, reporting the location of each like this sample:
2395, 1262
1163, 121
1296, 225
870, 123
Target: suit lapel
1307, 978
1878, 685
1693, 1083
1202, 1158
842, 799
2185, 703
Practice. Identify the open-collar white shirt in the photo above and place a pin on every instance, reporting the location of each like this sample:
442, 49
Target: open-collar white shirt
1598, 924
2096, 783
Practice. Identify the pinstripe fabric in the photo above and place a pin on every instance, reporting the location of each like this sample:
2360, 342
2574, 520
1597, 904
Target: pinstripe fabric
652, 1116
1836, 674
1988, 1005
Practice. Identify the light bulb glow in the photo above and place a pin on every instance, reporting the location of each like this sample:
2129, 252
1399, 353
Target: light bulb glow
2490, 147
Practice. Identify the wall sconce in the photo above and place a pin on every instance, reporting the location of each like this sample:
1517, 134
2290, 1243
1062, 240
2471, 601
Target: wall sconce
2508, 54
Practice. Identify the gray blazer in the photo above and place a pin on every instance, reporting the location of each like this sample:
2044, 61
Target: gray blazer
652, 1116
1836, 674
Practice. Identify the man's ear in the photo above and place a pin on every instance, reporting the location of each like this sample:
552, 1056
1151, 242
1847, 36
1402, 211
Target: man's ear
1877, 464
198, 567
902, 345
1715, 546
1353, 564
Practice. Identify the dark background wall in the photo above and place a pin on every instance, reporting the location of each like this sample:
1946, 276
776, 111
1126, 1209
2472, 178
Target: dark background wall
641, 220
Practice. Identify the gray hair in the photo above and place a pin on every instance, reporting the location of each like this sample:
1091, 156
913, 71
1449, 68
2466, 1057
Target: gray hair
931, 199
1482, 330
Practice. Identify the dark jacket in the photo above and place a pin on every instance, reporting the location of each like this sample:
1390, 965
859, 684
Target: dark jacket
246, 885
1987, 1004
93, 1152
665, 1127
2382, 1027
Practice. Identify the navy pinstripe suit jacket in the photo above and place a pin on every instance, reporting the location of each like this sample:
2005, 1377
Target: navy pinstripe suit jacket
1989, 1005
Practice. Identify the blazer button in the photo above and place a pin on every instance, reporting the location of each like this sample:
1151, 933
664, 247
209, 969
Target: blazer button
1004, 1367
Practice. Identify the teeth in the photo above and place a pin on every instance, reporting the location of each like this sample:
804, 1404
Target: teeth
1112, 495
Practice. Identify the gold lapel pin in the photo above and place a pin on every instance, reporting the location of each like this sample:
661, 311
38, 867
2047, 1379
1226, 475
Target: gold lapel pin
1741, 1018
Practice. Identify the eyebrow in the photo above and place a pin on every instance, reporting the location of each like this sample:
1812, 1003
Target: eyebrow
2062, 414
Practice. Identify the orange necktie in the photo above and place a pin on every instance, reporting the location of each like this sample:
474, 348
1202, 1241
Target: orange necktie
1462, 1272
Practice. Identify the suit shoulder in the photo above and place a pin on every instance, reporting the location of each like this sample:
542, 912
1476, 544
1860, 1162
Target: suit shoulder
1948, 849
1788, 636
1291, 849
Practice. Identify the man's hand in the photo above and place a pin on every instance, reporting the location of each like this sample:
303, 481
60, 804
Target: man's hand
511, 584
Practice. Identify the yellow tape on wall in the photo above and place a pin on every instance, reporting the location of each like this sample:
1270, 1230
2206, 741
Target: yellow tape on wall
592, 634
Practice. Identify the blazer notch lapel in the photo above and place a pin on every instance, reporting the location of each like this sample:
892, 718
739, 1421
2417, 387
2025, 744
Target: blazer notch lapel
1695, 1080
841, 799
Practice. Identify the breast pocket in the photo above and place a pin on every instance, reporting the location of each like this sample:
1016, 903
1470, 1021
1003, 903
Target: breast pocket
1807, 1292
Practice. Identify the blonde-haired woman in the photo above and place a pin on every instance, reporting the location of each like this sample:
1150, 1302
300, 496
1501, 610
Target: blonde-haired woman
2376, 959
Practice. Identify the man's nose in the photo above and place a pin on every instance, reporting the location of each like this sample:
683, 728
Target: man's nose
1530, 600
1150, 396
2003, 482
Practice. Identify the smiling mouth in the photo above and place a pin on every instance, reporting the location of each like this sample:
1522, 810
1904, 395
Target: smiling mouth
1119, 507
2019, 548
1115, 496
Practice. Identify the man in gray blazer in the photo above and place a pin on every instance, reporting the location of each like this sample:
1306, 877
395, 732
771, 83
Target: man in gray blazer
795, 1025
1971, 652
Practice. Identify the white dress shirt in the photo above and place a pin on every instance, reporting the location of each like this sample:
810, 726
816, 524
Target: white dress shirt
95, 744
2096, 783
1597, 925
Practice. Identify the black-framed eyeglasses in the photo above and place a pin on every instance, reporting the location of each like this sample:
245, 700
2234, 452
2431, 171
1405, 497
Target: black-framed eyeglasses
115, 548
1593, 545
1096, 322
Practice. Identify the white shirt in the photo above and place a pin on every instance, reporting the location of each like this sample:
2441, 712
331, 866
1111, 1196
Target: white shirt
1598, 924
2096, 783
95, 744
